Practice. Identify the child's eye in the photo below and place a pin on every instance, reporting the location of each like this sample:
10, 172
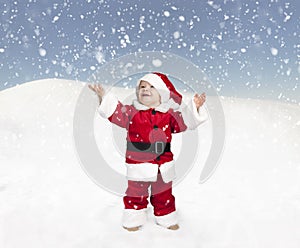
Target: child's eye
152, 86
142, 86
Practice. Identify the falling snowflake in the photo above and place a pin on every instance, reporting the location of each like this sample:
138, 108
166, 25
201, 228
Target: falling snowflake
176, 35
55, 19
42, 52
181, 18
274, 51
166, 13
157, 62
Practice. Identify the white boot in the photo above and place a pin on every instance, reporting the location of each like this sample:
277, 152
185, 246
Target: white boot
169, 221
134, 219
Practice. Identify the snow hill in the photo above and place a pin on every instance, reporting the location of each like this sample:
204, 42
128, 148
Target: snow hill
47, 200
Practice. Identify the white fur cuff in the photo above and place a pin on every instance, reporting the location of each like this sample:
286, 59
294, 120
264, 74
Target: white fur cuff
134, 218
167, 220
108, 105
191, 117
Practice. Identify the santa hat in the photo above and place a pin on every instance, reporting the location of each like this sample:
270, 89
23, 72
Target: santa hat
164, 87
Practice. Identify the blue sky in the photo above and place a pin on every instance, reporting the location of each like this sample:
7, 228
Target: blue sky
247, 48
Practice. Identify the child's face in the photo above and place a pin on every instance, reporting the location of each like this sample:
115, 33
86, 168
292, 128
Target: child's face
148, 95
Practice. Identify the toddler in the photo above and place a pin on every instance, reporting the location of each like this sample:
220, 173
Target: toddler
150, 122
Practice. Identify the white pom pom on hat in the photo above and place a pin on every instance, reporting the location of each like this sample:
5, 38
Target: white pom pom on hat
163, 85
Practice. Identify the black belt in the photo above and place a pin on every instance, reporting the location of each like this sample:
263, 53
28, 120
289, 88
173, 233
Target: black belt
158, 147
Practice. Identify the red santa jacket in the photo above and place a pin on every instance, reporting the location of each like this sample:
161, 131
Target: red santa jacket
147, 127
149, 132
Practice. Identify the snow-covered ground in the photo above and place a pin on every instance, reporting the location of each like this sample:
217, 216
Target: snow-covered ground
47, 200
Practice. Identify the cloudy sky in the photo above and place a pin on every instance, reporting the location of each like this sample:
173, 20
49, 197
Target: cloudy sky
247, 48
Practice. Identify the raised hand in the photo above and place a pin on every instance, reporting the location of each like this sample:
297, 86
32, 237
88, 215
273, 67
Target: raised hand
98, 89
199, 100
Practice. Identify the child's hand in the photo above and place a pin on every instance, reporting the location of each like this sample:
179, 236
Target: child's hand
199, 100
98, 89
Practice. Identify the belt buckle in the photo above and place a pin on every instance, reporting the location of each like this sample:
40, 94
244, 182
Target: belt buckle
159, 147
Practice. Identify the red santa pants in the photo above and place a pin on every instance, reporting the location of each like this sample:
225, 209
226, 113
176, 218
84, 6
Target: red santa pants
161, 196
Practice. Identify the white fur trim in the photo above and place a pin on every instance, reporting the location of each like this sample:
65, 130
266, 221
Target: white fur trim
155, 80
146, 172
163, 107
134, 218
193, 118
108, 105
167, 220
167, 171
158, 83
139, 106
